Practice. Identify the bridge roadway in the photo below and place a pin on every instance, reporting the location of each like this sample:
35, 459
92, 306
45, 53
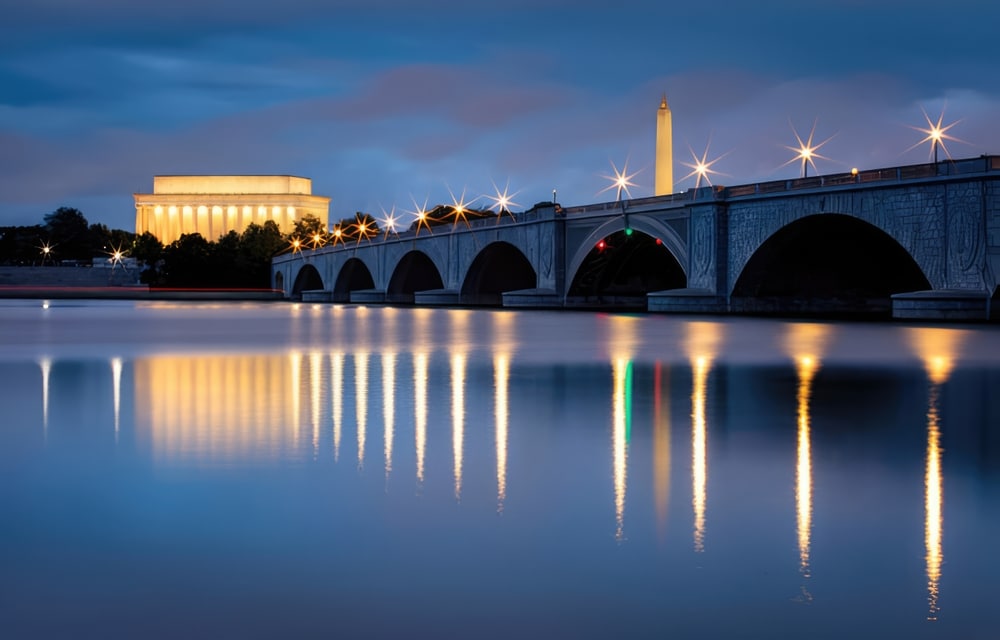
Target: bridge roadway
916, 241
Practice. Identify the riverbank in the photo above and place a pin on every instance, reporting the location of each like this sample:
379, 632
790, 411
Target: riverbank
135, 293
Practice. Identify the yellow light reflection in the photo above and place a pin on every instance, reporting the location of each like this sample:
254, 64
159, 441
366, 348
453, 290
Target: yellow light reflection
938, 348
806, 344
361, 402
504, 343
806, 367
621, 368
703, 339
661, 446
699, 447
315, 391
459, 321
337, 399
458, 416
217, 409
295, 364
388, 405
933, 499
116, 380
420, 410
501, 378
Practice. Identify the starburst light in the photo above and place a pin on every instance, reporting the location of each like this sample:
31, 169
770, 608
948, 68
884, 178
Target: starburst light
460, 208
806, 151
702, 166
420, 213
502, 202
389, 221
621, 180
936, 134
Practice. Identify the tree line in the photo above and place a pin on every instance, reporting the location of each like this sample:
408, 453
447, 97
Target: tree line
234, 260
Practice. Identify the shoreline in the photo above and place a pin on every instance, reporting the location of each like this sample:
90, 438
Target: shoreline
136, 293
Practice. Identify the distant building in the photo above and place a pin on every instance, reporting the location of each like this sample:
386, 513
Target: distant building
664, 183
216, 205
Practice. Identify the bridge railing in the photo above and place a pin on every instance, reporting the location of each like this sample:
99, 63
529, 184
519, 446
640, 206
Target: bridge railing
981, 164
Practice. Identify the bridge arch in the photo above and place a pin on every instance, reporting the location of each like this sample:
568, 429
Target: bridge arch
621, 268
307, 279
498, 268
827, 262
647, 225
414, 272
354, 275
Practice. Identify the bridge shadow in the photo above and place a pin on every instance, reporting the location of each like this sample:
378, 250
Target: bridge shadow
497, 269
826, 264
621, 269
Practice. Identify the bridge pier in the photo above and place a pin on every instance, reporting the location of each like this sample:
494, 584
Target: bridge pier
686, 301
946, 304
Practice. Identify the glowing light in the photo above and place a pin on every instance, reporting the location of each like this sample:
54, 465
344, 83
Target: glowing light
502, 201
659, 242
420, 214
699, 446
621, 180
420, 410
296, 245
703, 340
938, 348
295, 364
621, 372
458, 416
936, 134
116, 257
806, 150
361, 402
460, 208
601, 245
805, 343
337, 399
362, 228
628, 231
116, 379
501, 378
933, 499
701, 168
459, 321
389, 222
661, 445
338, 235
213, 408
315, 390
388, 405
46, 366
806, 367
317, 240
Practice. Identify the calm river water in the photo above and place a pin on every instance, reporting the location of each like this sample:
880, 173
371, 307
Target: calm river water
194, 470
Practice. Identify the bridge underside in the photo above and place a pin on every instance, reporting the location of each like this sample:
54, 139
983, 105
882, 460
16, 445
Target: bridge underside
826, 265
621, 270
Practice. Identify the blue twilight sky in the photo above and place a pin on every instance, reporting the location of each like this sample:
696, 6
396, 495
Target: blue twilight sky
381, 102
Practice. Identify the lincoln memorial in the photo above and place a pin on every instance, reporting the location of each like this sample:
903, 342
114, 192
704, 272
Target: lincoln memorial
216, 205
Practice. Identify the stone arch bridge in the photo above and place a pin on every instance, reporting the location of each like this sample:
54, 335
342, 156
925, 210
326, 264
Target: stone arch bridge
917, 241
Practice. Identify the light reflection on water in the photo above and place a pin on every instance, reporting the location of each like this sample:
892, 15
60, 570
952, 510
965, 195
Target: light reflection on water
527, 436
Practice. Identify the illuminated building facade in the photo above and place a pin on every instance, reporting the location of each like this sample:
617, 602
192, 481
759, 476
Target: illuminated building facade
215, 205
